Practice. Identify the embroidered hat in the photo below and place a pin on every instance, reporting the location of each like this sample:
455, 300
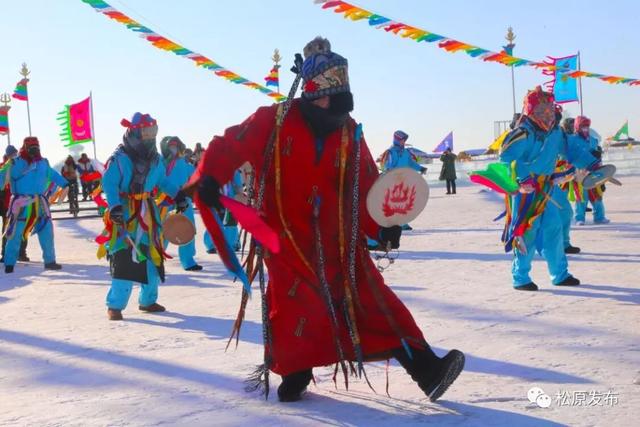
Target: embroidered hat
324, 72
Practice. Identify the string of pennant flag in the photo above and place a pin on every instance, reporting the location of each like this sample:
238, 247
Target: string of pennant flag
163, 43
355, 13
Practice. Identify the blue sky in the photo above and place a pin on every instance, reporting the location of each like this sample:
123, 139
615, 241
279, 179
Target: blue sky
397, 84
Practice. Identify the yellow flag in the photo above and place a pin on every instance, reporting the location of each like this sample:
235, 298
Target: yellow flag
497, 143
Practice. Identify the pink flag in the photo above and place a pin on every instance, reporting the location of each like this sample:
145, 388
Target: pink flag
75, 121
80, 121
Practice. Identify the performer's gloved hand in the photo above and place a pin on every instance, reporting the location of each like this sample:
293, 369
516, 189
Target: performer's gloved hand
181, 201
209, 192
423, 170
390, 236
116, 214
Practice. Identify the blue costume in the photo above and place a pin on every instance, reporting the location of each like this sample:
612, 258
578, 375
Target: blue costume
30, 178
561, 196
133, 233
532, 154
231, 233
398, 156
179, 171
591, 144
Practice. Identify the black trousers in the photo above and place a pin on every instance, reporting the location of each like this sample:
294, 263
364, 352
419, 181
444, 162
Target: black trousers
451, 186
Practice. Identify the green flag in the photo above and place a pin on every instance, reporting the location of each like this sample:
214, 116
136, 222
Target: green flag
624, 130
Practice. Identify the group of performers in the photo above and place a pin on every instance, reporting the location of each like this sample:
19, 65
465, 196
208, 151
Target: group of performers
545, 158
325, 302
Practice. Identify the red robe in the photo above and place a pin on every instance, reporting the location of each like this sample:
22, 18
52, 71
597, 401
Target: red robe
302, 330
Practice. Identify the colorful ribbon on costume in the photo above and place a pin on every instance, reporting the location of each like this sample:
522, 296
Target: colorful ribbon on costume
34, 209
356, 13
165, 44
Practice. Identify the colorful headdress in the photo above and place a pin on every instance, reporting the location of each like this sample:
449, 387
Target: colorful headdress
10, 151
30, 141
400, 137
142, 125
568, 124
581, 121
171, 141
539, 107
324, 72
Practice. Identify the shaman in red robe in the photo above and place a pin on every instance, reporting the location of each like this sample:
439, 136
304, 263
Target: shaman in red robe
307, 169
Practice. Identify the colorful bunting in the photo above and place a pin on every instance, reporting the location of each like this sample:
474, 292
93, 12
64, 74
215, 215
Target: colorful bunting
165, 44
273, 78
20, 92
355, 13
76, 123
4, 119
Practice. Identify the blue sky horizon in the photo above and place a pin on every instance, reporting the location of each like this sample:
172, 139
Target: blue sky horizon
397, 83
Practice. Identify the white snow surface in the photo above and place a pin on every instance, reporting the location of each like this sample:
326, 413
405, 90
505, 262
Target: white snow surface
62, 363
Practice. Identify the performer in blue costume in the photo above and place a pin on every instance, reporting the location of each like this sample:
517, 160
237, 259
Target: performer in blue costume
397, 156
30, 178
533, 221
565, 181
179, 171
584, 137
230, 230
133, 231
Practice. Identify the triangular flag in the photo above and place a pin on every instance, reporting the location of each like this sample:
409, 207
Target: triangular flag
445, 144
624, 130
497, 143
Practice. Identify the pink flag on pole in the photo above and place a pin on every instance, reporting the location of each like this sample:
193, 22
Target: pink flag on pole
80, 121
75, 120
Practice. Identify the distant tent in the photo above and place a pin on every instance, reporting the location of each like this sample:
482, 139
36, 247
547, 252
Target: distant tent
445, 144
421, 156
475, 152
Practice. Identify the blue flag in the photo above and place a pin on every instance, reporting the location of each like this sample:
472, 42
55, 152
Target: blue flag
447, 143
565, 88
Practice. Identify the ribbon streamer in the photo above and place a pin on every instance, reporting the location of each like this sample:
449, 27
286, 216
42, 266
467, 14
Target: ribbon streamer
165, 44
355, 13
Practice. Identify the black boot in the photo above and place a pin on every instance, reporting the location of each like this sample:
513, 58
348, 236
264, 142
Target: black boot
433, 375
294, 385
571, 250
52, 266
528, 287
569, 281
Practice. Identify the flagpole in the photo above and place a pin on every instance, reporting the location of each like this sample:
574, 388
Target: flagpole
276, 58
5, 98
93, 129
24, 72
580, 85
510, 38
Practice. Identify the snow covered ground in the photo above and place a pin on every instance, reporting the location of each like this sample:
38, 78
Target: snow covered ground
63, 363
